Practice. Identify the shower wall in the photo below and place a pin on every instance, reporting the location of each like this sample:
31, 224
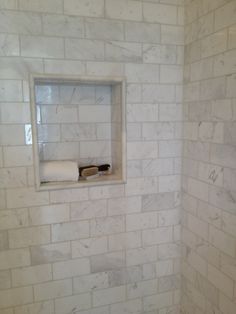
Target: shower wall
209, 164
98, 250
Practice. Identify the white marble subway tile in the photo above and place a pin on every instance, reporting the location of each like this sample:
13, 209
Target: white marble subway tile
58, 113
142, 32
223, 155
202, 69
201, 150
20, 23
210, 173
124, 10
16, 296
105, 68
134, 168
123, 51
172, 35
73, 303
159, 54
154, 93
50, 253
159, 13
192, 91
141, 186
10, 91
7, 135
67, 67
94, 113
230, 90
232, 37
124, 205
156, 167
107, 262
109, 296
228, 223
158, 131
167, 251
229, 178
222, 282
15, 113
226, 305
70, 268
11, 219
103, 131
211, 132
78, 132
156, 202
60, 151
25, 237
4, 245
48, 133
169, 183
170, 112
141, 255
13, 177
157, 236
31, 275
170, 148
63, 25
225, 63
8, 4
46, 307
90, 282
134, 132
141, 221
5, 279
14, 258
104, 29
23, 197
222, 241
169, 217
54, 6
89, 247
19, 68
44, 47
92, 8
49, 214
88, 209
67, 196
84, 49
93, 149
9, 45
214, 44
224, 16
70, 231
171, 74
132, 307
169, 283
221, 110
157, 301
52, 289
142, 112
122, 241
142, 150
108, 225
142, 73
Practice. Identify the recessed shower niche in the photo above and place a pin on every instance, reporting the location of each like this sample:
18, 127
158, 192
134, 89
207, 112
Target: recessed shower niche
79, 119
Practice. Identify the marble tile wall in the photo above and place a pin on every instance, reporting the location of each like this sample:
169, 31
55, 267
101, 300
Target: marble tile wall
74, 122
108, 249
209, 159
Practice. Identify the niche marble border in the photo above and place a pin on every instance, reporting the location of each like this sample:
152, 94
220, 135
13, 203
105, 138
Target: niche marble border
118, 175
